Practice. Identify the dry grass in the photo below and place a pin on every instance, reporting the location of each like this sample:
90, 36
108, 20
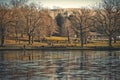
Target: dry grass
64, 39
52, 38
10, 41
97, 44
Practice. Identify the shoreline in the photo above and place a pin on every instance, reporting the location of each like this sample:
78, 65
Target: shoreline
101, 48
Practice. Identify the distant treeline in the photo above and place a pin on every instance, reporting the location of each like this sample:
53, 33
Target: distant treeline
18, 19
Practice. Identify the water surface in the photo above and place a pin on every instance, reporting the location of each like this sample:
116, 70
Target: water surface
60, 65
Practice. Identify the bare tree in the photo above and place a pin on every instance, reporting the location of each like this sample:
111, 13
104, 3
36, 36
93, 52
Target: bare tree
18, 18
40, 30
46, 26
32, 18
5, 19
107, 18
81, 23
52, 27
67, 29
49, 22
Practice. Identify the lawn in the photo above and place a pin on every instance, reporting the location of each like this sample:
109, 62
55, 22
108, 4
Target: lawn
60, 41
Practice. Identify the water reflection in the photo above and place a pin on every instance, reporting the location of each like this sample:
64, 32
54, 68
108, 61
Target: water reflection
59, 65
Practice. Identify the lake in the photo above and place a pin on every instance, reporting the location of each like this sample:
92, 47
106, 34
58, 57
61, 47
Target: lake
60, 65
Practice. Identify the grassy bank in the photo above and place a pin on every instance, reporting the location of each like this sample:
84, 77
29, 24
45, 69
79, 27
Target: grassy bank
58, 43
59, 47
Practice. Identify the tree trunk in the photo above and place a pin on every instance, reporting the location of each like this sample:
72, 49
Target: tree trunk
16, 37
81, 36
2, 37
19, 40
115, 39
68, 36
110, 41
21, 34
85, 39
29, 38
32, 39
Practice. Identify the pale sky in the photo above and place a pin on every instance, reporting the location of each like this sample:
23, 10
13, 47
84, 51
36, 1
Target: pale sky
63, 3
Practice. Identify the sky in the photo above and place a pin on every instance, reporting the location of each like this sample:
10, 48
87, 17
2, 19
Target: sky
63, 3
